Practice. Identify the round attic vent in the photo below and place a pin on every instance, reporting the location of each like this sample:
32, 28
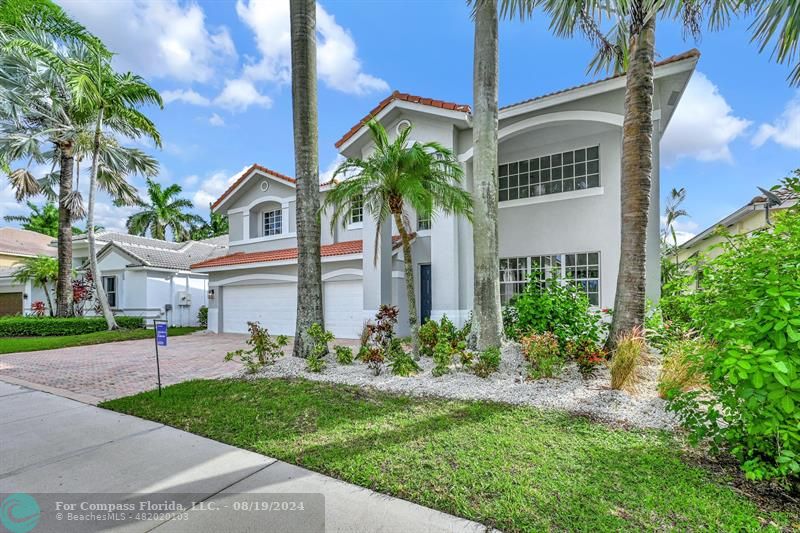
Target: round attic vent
264, 186
402, 126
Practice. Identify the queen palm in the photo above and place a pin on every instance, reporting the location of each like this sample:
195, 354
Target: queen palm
113, 99
425, 177
303, 31
163, 211
40, 270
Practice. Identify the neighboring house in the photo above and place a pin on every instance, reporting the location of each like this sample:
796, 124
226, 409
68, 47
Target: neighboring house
150, 277
16, 245
748, 218
559, 176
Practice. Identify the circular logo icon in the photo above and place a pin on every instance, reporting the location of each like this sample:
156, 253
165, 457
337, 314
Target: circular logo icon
19, 513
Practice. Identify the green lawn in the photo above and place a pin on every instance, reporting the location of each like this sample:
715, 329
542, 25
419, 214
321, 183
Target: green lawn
514, 468
30, 344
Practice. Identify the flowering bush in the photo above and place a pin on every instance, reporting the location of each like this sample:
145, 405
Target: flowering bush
82, 292
38, 308
541, 350
589, 359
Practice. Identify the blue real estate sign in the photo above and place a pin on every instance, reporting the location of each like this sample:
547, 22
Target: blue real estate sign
161, 333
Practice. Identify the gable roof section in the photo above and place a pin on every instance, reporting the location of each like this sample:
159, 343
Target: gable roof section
403, 97
246, 175
154, 253
286, 254
25, 243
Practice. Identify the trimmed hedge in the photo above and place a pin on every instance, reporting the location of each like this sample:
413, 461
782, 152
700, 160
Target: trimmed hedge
26, 326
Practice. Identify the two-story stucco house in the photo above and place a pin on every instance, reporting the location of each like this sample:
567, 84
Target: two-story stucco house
559, 177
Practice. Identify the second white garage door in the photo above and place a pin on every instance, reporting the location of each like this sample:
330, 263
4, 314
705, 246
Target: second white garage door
274, 306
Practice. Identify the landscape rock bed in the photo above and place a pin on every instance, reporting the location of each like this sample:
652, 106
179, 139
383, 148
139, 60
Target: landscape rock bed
592, 397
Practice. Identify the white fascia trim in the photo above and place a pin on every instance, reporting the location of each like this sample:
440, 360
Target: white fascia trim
244, 266
556, 197
277, 237
168, 270
262, 200
591, 90
411, 106
245, 181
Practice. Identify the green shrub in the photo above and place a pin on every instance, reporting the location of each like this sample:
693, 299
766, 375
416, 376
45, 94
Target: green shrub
589, 356
510, 322
264, 349
442, 358
344, 354
315, 362
749, 307
401, 363
30, 326
562, 309
428, 337
202, 316
541, 350
626, 361
488, 362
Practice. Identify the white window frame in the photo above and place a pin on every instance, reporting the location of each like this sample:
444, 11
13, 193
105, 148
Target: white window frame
569, 266
356, 215
115, 292
534, 177
275, 224
424, 223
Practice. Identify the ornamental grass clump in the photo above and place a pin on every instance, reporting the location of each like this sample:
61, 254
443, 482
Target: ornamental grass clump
626, 361
681, 369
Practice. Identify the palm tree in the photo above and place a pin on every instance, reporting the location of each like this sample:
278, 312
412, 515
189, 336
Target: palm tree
42, 219
114, 98
486, 318
425, 177
163, 212
216, 226
672, 213
778, 20
41, 270
306, 157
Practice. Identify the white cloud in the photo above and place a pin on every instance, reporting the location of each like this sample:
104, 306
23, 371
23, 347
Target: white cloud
191, 180
785, 130
212, 187
703, 125
327, 174
216, 120
338, 65
685, 229
159, 38
239, 94
184, 95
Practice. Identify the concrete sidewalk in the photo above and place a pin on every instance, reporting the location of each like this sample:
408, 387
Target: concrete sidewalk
50, 444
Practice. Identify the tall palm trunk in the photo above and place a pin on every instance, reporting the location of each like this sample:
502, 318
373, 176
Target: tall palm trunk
411, 293
64, 281
101, 293
637, 168
306, 157
50, 309
486, 317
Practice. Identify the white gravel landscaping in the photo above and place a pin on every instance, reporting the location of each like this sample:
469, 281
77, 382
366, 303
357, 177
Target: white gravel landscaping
569, 392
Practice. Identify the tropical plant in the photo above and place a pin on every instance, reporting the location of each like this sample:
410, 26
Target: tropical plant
344, 354
82, 292
428, 337
42, 219
442, 358
315, 362
487, 320
303, 20
401, 362
778, 21
41, 271
672, 213
216, 226
488, 363
545, 358
264, 349
163, 211
423, 176
202, 316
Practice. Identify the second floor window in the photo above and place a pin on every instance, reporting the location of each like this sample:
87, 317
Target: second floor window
357, 211
423, 222
573, 170
272, 222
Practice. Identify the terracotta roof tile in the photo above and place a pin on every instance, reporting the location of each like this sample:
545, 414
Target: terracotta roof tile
694, 52
244, 176
327, 250
405, 97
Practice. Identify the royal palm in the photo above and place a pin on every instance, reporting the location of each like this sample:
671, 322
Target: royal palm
164, 211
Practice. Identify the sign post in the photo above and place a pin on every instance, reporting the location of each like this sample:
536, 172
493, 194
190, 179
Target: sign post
160, 327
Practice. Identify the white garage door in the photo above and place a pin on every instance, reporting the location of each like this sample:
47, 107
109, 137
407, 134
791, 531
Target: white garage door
343, 308
274, 306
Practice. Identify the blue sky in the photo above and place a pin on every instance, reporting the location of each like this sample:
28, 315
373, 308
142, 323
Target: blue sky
222, 67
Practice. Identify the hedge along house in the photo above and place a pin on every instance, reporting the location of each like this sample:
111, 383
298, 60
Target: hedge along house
559, 190
150, 278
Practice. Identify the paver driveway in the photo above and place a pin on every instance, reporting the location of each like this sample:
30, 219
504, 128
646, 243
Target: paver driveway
105, 371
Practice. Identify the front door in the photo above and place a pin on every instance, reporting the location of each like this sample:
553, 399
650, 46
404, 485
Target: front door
424, 293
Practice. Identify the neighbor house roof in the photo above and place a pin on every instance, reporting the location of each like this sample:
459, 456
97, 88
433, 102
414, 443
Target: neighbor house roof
787, 196
24, 243
285, 254
156, 253
246, 174
404, 97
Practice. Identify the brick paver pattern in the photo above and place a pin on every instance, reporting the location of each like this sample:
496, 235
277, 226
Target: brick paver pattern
116, 369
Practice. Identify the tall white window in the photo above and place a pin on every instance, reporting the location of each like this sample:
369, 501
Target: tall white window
272, 222
357, 211
582, 269
423, 222
573, 170
110, 286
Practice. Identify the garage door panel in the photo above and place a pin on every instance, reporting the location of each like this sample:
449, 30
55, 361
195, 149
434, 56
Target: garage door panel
10, 303
344, 302
273, 306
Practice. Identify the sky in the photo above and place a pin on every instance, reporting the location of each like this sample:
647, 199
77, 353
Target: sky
222, 68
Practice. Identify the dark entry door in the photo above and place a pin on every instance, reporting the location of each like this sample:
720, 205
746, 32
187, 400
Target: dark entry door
424, 293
